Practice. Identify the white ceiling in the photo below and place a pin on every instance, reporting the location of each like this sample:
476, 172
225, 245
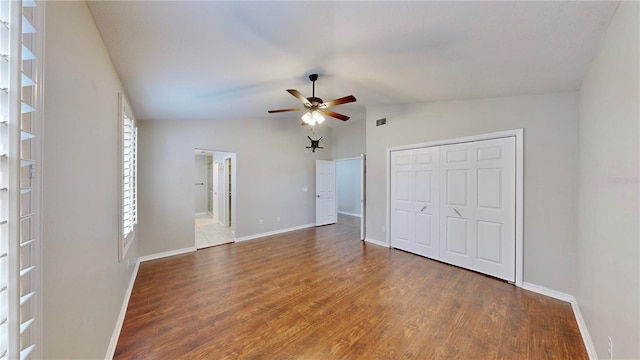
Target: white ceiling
184, 60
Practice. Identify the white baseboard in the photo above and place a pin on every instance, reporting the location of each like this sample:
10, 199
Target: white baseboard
125, 302
202, 213
376, 242
582, 326
546, 291
166, 254
348, 213
275, 232
111, 350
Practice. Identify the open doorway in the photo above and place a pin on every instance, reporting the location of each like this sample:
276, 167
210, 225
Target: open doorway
350, 192
214, 197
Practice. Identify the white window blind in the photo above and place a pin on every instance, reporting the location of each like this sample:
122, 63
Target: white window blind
129, 177
20, 217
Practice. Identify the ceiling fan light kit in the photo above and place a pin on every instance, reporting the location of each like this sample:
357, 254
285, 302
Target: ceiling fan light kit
315, 106
312, 118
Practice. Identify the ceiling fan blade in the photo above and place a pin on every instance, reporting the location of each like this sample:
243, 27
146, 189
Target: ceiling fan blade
299, 96
342, 100
283, 110
335, 115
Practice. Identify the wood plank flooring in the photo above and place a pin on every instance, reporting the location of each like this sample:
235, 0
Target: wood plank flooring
321, 293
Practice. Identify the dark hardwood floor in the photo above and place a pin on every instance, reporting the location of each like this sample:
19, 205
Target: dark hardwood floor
321, 293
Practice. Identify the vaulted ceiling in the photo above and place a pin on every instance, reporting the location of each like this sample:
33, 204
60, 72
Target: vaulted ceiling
185, 60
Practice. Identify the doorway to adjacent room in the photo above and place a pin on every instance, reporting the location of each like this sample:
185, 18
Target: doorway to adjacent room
214, 197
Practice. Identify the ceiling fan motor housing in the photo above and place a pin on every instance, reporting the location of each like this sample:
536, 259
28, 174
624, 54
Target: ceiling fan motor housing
315, 101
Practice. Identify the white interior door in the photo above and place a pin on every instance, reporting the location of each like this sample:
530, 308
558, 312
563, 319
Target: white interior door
222, 210
227, 192
216, 189
414, 201
477, 222
363, 173
209, 185
326, 207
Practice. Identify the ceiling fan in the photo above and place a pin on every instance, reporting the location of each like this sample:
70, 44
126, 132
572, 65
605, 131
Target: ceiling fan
315, 106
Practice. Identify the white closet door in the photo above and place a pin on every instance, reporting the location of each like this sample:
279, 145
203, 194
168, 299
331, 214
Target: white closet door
477, 219
414, 198
401, 200
426, 202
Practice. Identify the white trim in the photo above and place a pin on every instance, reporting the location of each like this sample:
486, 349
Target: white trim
348, 213
472, 138
275, 232
349, 158
519, 134
376, 242
111, 350
166, 254
519, 225
202, 213
547, 292
582, 325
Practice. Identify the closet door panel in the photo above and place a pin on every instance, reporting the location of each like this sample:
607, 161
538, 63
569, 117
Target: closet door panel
426, 201
402, 194
457, 210
478, 213
415, 201
495, 214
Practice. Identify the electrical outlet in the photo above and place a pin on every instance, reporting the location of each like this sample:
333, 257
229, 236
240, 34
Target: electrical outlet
610, 347
260, 221
278, 219
383, 229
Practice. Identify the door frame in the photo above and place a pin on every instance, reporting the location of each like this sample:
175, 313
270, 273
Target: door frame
363, 192
230, 204
519, 195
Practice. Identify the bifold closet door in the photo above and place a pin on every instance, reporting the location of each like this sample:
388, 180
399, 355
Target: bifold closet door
415, 201
477, 204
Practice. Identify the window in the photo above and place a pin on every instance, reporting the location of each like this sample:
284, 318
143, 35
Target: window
20, 181
129, 139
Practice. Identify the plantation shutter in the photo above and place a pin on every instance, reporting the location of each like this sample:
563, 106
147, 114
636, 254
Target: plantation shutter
20, 119
129, 177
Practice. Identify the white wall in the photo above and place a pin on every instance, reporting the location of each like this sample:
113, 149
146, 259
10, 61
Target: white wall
550, 132
349, 140
608, 274
200, 177
84, 284
348, 179
272, 167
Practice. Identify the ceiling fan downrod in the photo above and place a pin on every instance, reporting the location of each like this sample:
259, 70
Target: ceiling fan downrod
313, 98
